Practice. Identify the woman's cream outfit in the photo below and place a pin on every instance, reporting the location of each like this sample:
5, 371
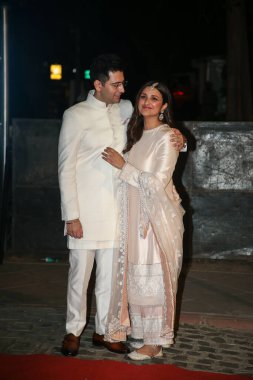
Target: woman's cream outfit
88, 185
149, 260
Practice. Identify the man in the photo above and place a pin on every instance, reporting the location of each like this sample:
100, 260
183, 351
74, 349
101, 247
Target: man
88, 186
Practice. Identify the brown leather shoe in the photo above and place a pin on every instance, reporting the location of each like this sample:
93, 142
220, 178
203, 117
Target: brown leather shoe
116, 347
70, 345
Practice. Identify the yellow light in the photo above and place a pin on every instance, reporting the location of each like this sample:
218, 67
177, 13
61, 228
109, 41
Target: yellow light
55, 72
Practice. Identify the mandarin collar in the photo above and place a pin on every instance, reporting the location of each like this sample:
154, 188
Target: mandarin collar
94, 102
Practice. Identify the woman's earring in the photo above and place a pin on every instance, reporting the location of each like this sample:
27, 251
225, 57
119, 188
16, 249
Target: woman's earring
161, 116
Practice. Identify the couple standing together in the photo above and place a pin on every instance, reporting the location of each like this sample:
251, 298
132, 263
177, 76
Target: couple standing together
121, 208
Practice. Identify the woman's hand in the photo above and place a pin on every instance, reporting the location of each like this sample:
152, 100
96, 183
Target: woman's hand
178, 139
113, 157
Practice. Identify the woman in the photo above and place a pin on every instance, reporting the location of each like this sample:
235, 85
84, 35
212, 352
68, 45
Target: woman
149, 260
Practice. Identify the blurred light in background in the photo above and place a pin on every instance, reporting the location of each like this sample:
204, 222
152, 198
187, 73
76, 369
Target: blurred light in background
55, 72
86, 74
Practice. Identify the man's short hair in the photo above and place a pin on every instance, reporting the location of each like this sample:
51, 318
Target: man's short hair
102, 65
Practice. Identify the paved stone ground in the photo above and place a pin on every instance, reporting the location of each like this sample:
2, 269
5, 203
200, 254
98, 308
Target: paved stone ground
39, 330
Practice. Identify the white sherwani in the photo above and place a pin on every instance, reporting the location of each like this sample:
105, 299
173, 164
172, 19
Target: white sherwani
88, 188
86, 181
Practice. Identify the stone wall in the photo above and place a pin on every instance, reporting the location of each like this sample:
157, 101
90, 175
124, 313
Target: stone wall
217, 189
37, 229
214, 179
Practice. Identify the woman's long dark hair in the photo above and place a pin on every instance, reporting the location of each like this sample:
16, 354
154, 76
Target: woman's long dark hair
136, 124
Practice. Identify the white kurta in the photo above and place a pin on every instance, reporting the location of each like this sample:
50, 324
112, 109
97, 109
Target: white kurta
145, 286
87, 182
148, 263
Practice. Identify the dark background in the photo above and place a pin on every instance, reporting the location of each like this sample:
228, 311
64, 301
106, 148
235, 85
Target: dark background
161, 40
182, 43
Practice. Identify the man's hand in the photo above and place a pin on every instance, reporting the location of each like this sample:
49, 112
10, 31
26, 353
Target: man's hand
74, 228
178, 140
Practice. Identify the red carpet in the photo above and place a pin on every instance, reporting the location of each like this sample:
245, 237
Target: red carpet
46, 367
